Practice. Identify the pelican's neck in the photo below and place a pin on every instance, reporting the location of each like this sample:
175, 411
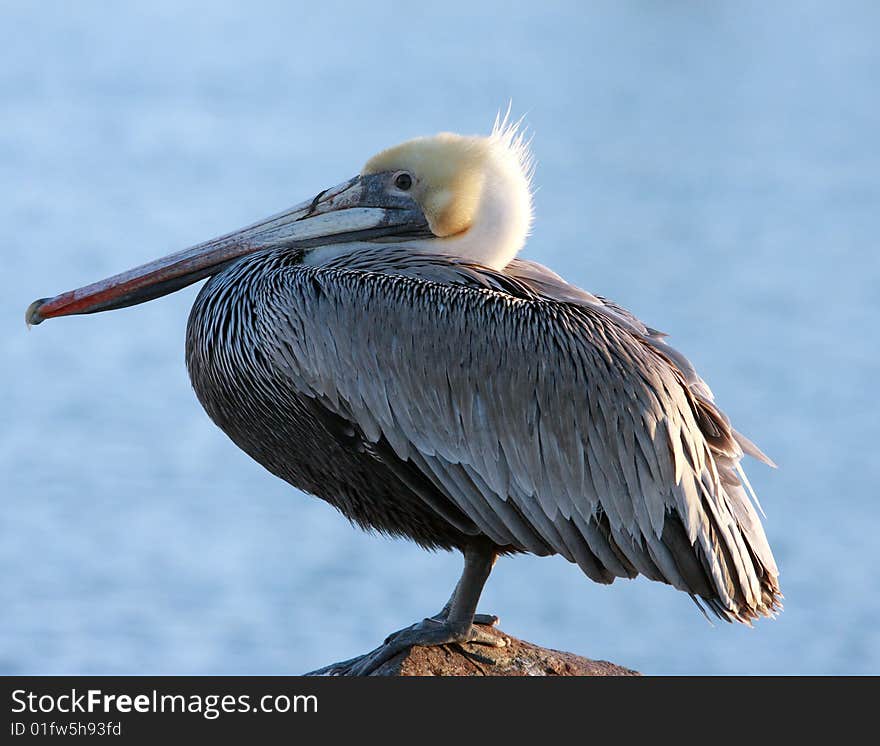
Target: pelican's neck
501, 223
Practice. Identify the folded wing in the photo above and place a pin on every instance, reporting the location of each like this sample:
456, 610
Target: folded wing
555, 420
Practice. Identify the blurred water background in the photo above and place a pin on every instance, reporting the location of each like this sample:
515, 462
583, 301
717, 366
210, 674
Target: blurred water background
712, 166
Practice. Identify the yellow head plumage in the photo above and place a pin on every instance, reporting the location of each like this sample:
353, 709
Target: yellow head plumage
474, 191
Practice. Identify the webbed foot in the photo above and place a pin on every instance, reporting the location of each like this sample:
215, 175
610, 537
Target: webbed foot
428, 632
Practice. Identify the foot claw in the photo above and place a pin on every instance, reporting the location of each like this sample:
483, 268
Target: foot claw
487, 620
482, 637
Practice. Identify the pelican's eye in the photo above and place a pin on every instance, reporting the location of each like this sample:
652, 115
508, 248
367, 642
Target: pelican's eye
403, 181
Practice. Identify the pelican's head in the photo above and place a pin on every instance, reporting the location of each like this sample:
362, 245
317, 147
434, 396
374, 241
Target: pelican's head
473, 191
461, 196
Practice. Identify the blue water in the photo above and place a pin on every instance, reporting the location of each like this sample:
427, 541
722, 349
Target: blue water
714, 167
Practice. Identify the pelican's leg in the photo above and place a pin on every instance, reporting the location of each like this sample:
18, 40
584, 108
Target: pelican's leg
488, 620
454, 623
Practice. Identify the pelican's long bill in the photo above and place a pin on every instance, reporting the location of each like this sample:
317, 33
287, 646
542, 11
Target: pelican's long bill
360, 209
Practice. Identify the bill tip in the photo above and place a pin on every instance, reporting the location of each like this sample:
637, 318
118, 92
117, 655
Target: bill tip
32, 316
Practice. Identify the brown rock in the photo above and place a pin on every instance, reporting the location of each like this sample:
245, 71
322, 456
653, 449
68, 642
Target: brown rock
516, 658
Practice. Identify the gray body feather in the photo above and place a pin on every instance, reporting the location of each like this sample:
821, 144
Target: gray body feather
435, 399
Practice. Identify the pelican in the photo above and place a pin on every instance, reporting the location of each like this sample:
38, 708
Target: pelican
382, 347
